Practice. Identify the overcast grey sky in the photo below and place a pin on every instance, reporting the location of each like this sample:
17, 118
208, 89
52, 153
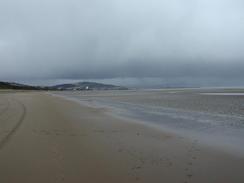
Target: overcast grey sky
110, 39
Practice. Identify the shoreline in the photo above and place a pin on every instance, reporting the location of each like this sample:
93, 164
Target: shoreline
214, 141
63, 141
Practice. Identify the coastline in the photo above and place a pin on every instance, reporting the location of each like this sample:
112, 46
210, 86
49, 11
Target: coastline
63, 141
218, 131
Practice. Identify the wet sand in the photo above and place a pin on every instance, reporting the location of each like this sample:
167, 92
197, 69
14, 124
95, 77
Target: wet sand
44, 138
216, 120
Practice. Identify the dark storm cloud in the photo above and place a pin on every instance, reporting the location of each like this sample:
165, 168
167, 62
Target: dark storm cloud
93, 39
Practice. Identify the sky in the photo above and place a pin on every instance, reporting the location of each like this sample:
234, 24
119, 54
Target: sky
135, 42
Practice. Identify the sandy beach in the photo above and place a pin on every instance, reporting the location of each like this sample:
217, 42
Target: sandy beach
45, 138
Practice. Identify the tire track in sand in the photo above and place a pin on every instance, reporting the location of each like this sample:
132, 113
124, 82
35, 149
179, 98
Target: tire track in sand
9, 135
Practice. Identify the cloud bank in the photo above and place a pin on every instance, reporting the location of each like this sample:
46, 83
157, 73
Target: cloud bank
93, 39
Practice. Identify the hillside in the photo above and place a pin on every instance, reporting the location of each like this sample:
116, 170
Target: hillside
87, 86
16, 86
74, 86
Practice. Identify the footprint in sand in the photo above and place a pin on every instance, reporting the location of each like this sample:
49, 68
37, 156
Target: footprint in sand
83, 135
58, 158
47, 133
72, 135
192, 156
34, 131
98, 131
120, 150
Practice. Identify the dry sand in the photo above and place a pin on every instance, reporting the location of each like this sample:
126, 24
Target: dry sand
49, 139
